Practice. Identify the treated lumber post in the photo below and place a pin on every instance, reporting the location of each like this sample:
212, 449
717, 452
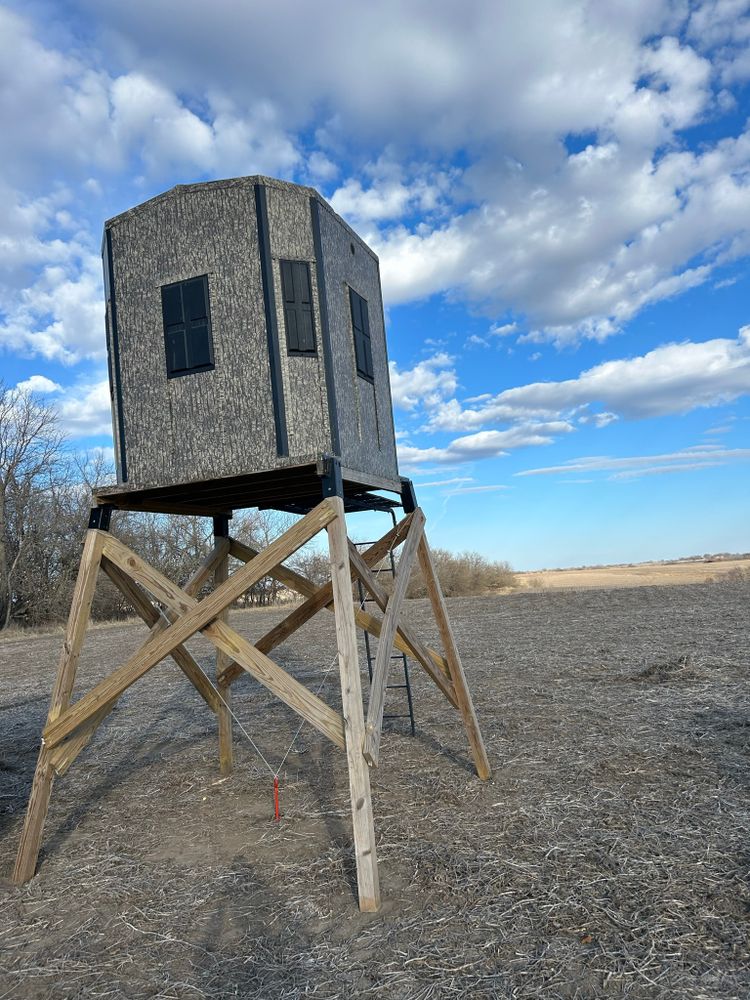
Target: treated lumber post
354, 723
376, 706
224, 714
75, 633
465, 704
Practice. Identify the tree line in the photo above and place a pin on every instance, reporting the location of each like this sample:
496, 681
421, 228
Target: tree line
45, 498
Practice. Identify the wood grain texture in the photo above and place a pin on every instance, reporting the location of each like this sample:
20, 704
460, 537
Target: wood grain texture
351, 696
223, 713
381, 669
36, 813
75, 633
465, 704
64, 754
194, 616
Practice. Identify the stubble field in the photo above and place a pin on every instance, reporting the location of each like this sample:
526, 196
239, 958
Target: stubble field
607, 857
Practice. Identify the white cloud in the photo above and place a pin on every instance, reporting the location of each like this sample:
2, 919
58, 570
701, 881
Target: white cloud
631, 466
671, 379
483, 444
426, 383
39, 384
84, 409
61, 315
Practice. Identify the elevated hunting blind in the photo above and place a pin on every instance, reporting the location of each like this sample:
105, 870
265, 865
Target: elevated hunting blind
248, 368
246, 346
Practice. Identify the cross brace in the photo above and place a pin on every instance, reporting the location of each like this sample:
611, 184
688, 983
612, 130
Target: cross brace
173, 614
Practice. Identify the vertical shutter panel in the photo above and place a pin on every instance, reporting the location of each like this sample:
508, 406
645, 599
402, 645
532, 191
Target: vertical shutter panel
361, 330
187, 327
298, 314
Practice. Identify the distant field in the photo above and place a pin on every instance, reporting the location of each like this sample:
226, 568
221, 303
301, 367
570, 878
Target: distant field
638, 575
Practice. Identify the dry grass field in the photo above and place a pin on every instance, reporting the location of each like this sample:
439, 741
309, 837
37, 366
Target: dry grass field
649, 574
607, 857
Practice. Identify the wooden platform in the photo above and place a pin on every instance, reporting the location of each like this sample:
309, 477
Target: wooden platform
296, 488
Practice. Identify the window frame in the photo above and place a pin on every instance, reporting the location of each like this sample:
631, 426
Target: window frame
294, 352
186, 326
364, 354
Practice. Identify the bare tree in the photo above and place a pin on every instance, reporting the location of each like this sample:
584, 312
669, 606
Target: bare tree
29, 452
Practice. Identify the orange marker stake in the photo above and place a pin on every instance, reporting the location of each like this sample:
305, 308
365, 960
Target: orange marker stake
276, 813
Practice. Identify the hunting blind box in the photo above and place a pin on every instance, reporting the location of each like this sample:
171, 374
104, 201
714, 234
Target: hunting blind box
247, 348
248, 368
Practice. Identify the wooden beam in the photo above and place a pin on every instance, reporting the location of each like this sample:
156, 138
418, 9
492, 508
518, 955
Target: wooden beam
78, 619
64, 754
288, 577
321, 597
36, 813
75, 633
224, 714
351, 695
194, 616
379, 682
158, 622
434, 665
465, 704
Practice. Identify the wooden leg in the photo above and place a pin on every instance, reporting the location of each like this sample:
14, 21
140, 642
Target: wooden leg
354, 724
465, 704
41, 789
223, 715
36, 814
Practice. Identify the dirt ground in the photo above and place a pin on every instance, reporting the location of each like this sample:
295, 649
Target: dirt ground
607, 857
639, 575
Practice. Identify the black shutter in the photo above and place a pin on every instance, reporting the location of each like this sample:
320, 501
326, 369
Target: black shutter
361, 330
187, 327
296, 292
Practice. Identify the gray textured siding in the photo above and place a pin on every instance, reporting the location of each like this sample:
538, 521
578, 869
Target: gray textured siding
303, 376
221, 422
365, 413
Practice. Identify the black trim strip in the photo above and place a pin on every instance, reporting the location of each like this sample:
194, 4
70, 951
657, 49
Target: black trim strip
325, 333
115, 343
272, 326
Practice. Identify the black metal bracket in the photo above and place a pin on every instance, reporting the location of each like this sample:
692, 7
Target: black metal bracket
408, 496
100, 517
332, 480
221, 525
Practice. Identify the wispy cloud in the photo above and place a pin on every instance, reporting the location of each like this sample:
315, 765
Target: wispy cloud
632, 466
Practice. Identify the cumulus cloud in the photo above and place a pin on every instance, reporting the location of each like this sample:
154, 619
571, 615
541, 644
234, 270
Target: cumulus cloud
482, 445
60, 316
671, 379
425, 384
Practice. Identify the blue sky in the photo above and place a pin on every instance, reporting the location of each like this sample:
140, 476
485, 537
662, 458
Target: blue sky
559, 193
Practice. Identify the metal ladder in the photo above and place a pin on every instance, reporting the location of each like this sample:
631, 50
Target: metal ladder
406, 685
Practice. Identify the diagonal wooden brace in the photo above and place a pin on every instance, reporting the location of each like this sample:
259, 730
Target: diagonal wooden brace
375, 708
194, 617
431, 662
321, 597
158, 623
465, 704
